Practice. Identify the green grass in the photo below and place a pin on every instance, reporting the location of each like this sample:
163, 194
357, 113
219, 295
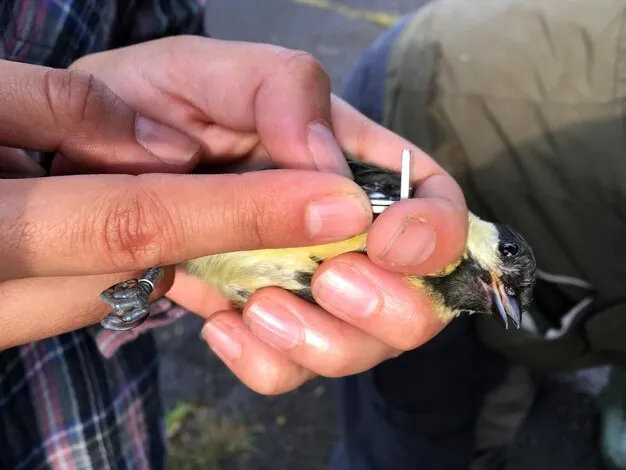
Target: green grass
175, 418
198, 441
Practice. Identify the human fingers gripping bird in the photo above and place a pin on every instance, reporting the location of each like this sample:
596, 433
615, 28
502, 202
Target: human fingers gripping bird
494, 275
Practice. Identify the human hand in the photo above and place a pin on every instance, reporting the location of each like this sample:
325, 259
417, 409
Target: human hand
63, 238
253, 101
282, 341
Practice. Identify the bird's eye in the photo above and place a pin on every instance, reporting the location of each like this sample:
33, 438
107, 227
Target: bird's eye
507, 250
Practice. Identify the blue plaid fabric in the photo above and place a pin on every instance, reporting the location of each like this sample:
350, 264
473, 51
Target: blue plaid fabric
87, 399
57, 32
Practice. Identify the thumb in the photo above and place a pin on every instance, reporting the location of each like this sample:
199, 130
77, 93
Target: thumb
75, 114
282, 96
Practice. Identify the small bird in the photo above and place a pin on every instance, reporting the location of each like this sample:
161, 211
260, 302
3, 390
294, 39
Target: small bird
494, 275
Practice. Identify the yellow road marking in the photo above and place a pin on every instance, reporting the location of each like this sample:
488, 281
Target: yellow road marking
379, 18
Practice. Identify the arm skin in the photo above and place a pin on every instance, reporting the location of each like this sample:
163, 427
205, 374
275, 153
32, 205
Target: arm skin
114, 226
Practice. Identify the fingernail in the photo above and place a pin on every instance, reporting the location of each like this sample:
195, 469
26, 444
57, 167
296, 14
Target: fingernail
273, 323
338, 217
325, 151
412, 244
164, 142
221, 339
345, 289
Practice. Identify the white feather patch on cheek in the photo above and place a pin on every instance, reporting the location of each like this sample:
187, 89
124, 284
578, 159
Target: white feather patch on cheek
482, 243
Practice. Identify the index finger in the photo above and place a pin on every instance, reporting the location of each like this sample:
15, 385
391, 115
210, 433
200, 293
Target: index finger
97, 224
420, 235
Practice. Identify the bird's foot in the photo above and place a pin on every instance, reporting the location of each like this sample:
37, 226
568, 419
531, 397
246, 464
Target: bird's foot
129, 300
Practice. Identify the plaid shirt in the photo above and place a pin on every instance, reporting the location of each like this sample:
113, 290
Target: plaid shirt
88, 399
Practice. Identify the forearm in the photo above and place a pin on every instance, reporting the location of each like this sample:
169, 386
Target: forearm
66, 307
70, 303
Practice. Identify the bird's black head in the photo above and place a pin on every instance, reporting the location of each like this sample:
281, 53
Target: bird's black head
496, 274
512, 291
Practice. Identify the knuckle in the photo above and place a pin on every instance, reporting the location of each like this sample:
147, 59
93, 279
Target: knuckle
352, 358
409, 340
253, 219
414, 336
253, 227
72, 95
336, 368
405, 344
136, 229
340, 360
20, 238
263, 225
363, 139
308, 67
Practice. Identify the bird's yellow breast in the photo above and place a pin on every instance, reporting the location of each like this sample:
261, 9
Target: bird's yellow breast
239, 274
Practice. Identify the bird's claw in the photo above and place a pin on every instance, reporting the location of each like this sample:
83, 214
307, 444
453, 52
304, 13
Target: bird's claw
129, 301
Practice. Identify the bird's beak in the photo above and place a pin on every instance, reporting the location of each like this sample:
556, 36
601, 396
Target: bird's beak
506, 305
